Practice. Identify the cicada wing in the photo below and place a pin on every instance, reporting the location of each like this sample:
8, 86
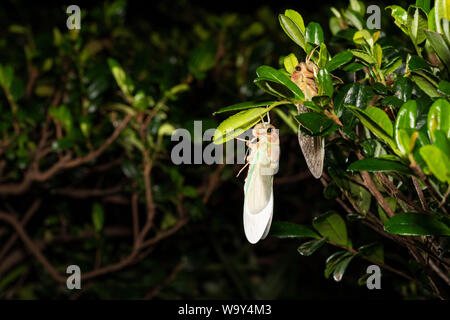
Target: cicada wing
313, 149
266, 232
258, 204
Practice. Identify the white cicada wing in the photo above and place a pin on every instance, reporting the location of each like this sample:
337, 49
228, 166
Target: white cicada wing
258, 204
258, 189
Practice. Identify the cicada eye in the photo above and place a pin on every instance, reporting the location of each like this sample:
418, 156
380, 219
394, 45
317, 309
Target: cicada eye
269, 130
297, 68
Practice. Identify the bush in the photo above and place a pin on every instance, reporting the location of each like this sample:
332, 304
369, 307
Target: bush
381, 102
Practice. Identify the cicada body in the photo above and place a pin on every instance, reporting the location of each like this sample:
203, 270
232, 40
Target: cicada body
313, 148
263, 162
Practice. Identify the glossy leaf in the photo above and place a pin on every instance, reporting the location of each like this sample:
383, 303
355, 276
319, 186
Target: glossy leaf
316, 124
333, 260
237, 124
379, 165
418, 63
244, 106
373, 251
282, 229
377, 121
340, 268
416, 224
417, 23
332, 226
292, 30
314, 33
268, 76
400, 17
296, 17
439, 118
406, 119
308, 248
437, 161
339, 60
439, 45
325, 82
290, 62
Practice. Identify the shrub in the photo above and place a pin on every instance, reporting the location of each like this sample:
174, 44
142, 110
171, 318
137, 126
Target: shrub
381, 102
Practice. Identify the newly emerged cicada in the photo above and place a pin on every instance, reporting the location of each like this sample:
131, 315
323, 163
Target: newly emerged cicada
313, 148
263, 162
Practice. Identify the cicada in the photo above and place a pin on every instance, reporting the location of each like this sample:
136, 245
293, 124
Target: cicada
263, 162
313, 148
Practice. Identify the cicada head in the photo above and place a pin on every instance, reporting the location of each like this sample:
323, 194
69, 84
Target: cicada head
303, 76
266, 130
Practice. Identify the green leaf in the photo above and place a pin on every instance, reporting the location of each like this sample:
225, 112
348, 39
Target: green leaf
241, 121
424, 4
400, 17
98, 216
439, 45
237, 124
339, 60
439, 118
282, 229
314, 33
392, 101
297, 18
308, 248
333, 260
425, 85
325, 82
406, 119
373, 251
363, 37
417, 63
362, 197
268, 76
378, 165
403, 88
292, 30
290, 62
323, 56
442, 142
62, 115
316, 124
379, 116
382, 214
362, 55
377, 121
416, 224
378, 54
354, 18
123, 80
444, 86
340, 267
332, 226
353, 67
244, 106
437, 161
441, 10
417, 23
